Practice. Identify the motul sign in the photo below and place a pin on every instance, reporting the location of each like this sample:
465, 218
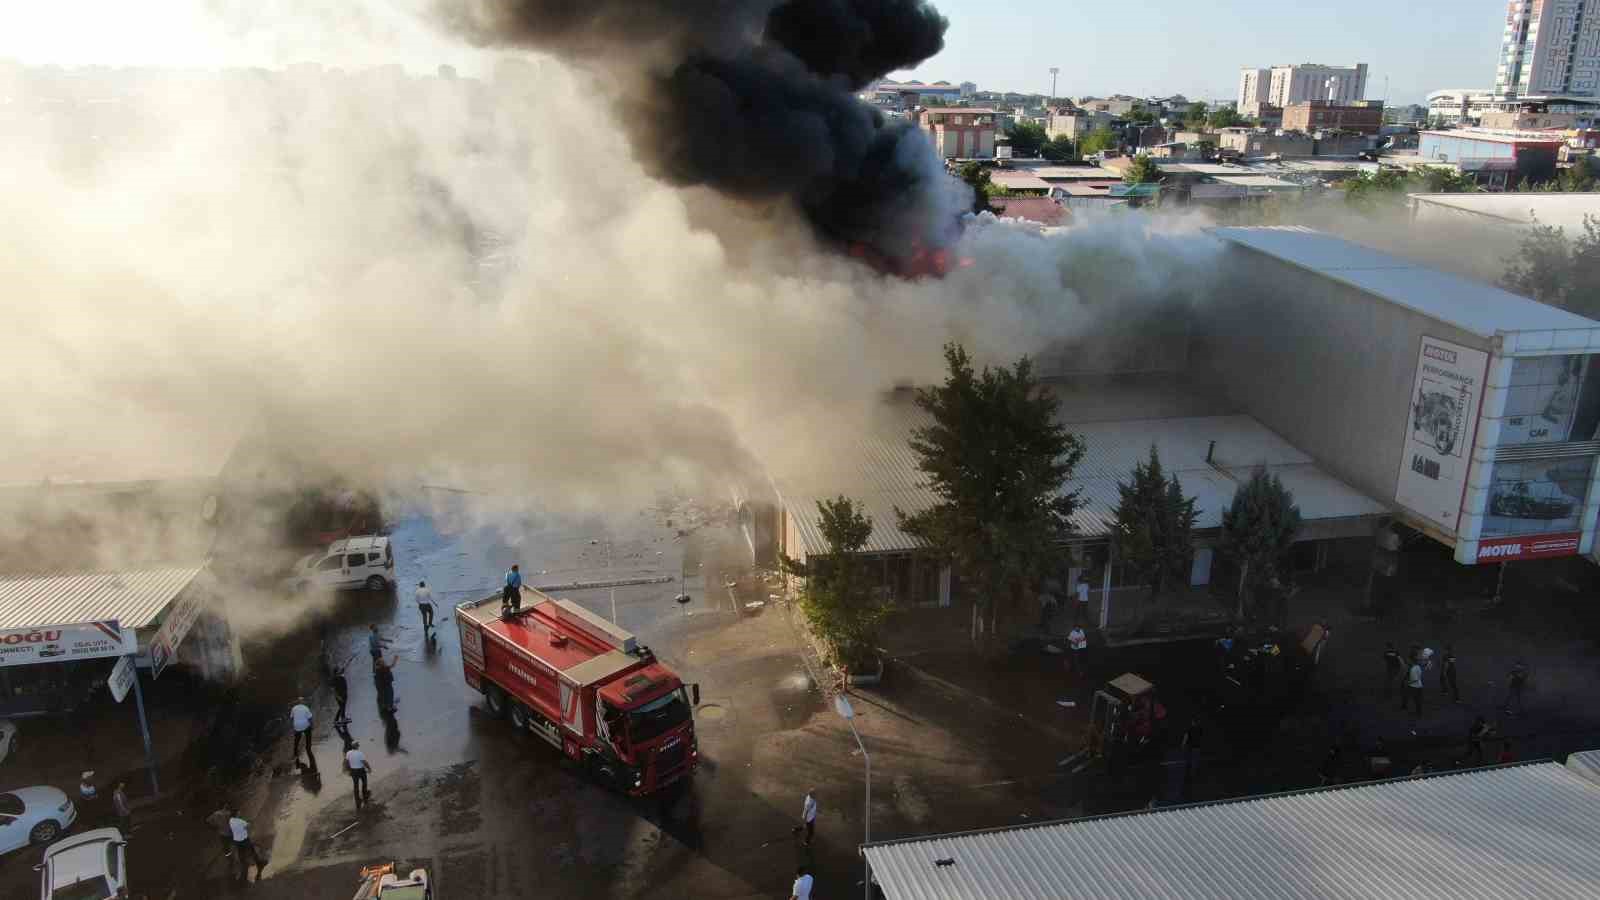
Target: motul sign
62, 643
1531, 547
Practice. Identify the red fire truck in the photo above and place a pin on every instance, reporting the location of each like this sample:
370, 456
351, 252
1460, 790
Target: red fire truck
583, 684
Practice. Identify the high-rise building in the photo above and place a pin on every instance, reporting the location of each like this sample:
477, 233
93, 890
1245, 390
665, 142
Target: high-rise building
1305, 83
1550, 50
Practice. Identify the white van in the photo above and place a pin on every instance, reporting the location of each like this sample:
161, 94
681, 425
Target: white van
363, 561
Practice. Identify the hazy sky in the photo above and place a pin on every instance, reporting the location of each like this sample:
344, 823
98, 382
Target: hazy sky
1141, 47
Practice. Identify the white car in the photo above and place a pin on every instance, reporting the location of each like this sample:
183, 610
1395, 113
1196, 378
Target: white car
90, 866
365, 561
34, 815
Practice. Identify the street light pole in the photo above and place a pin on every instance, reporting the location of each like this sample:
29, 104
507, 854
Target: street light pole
848, 713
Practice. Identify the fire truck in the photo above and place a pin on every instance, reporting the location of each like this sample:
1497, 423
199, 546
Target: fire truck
584, 685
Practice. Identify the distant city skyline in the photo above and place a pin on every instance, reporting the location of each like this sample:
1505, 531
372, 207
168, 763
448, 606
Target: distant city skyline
1160, 47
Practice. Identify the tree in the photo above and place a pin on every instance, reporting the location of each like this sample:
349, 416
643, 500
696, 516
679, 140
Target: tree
1058, 149
1226, 117
1258, 528
976, 175
1387, 187
1101, 138
838, 601
1140, 116
1153, 532
998, 462
1555, 269
1143, 170
1195, 117
1026, 138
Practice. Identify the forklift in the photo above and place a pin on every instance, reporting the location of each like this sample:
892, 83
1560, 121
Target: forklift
1125, 706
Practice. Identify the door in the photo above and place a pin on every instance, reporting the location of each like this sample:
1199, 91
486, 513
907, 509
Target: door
13, 833
355, 569
329, 572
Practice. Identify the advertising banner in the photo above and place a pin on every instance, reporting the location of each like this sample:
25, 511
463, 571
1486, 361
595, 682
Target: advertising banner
1540, 546
122, 678
164, 646
1443, 421
63, 643
1552, 399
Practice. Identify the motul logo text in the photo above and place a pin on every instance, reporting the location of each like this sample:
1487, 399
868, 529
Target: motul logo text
1501, 550
32, 637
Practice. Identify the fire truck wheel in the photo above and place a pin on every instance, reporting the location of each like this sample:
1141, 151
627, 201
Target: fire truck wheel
496, 700
519, 716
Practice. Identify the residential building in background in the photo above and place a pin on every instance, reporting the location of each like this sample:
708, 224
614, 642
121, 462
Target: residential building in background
1365, 117
1288, 85
1453, 106
968, 89
960, 132
1550, 50
1075, 124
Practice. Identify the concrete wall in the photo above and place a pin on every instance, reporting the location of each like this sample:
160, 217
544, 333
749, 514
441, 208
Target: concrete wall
1326, 366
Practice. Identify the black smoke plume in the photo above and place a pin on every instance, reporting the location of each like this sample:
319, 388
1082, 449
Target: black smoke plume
755, 98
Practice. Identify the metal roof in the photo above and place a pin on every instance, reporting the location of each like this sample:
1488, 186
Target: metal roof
1522, 208
882, 474
1019, 181
135, 598
1471, 306
1514, 831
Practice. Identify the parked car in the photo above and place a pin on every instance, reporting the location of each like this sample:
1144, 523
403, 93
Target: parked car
381, 883
353, 562
89, 866
34, 815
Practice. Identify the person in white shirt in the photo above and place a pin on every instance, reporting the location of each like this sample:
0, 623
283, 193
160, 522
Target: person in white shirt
1083, 599
808, 817
425, 604
242, 845
300, 716
1079, 644
356, 762
802, 885
1413, 691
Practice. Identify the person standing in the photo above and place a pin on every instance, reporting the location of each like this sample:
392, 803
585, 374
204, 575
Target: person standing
1475, 737
511, 595
1447, 675
1391, 669
383, 679
1083, 600
1413, 690
300, 716
244, 847
425, 604
1516, 680
1077, 650
802, 885
341, 693
219, 823
808, 817
375, 642
1330, 767
121, 807
356, 762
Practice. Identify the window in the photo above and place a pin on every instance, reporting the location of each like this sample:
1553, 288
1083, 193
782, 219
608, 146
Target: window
331, 563
111, 860
1552, 399
357, 560
374, 558
1539, 496
10, 804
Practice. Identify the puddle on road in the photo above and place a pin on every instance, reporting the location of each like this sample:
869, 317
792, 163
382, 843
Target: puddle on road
795, 699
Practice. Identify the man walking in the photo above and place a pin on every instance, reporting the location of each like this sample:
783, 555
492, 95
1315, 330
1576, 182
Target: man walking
1516, 680
1391, 669
1413, 689
383, 679
300, 716
219, 823
808, 817
1077, 650
122, 809
1475, 736
356, 762
375, 642
802, 885
341, 693
425, 604
511, 595
1447, 675
244, 848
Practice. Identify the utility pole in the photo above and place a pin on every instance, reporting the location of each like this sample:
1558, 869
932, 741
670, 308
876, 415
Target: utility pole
1054, 70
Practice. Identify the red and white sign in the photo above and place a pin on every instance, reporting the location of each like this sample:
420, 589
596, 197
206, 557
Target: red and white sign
1535, 546
61, 643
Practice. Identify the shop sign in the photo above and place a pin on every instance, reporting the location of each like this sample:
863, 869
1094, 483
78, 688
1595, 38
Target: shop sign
65, 643
122, 678
1440, 428
1533, 546
164, 646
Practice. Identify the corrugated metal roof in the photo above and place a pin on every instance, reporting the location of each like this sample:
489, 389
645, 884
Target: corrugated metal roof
1517, 831
1474, 307
884, 475
135, 598
1522, 208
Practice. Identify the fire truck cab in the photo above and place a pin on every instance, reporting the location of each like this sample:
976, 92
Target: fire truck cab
584, 685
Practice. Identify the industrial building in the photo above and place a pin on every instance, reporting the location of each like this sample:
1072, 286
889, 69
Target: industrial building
1494, 158
1525, 830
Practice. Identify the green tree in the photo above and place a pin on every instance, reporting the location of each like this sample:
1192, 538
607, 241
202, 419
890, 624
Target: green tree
1059, 149
1143, 170
838, 601
1226, 117
1101, 138
998, 463
1558, 270
976, 175
1140, 116
1153, 531
1258, 528
1026, 138
1195, 117
1388, 187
